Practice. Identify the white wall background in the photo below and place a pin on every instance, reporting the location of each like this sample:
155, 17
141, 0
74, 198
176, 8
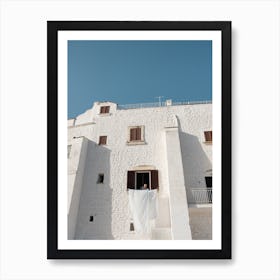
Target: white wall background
255, 139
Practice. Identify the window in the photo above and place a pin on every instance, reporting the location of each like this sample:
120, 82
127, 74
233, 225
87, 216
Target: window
131, 227
143, 178
102, 140
91, 219
104, 109
137, 179
208, 181
208, 136
100, 179
136, 134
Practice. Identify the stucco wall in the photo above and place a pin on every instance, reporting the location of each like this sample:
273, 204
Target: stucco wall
108, 202
76, 167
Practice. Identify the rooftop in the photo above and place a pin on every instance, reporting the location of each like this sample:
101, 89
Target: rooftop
155, 104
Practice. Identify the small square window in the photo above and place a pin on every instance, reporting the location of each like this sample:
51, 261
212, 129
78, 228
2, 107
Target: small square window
91, 219
208, 136
131, 227
100, 179
135, 134
102, 140
104, 109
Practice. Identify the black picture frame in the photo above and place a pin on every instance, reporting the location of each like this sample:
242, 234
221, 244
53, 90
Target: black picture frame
53, 27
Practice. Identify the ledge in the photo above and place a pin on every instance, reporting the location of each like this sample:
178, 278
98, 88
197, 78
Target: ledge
82, 124
104, 114
132, 143
208, 142
205, 205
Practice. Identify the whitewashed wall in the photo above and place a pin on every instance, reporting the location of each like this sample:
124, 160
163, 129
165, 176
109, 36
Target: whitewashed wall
76, 168
108, 202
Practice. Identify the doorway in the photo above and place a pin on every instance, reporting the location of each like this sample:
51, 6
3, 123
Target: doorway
142, 178
208, 181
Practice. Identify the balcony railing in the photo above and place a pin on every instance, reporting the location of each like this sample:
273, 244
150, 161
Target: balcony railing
160, 104
202, 195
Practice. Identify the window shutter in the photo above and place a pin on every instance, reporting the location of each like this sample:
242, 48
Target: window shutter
102, 140
154, 179
208, 136
205, 135
132, 134
104, 109
135, 134
138, 133
131, 179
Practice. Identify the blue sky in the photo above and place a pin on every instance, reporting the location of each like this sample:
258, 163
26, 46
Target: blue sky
128, 72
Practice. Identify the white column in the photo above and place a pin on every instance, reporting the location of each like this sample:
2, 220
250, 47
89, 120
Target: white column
179, 212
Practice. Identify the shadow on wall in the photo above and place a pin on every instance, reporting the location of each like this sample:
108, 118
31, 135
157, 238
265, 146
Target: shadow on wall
195, 162
95, 211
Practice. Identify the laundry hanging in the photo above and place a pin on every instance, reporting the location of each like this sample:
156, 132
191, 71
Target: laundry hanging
143, 205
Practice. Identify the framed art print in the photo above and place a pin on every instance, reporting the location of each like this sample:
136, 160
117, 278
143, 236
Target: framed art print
139, 140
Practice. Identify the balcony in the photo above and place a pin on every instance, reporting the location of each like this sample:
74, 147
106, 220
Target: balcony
202, 195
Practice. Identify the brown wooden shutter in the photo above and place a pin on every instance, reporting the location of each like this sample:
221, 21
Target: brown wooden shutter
104, 109
135, 134
208, 136
138, 133
154, 179
132, 134
131, 179
102, 140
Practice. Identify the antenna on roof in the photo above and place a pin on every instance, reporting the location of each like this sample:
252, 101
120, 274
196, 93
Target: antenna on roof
159, 100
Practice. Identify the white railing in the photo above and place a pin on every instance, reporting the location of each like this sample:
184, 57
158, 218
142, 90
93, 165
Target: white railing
202, 195
141, 105
160, 104
192, 102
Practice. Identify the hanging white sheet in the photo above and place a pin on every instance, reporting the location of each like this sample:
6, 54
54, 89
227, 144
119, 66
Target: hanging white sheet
143, 205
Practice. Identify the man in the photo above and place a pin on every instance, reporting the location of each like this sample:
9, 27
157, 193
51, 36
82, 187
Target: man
145, 186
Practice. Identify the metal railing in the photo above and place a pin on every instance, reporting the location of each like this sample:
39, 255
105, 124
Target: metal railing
140, 105
202, 195
160, 104
191, 102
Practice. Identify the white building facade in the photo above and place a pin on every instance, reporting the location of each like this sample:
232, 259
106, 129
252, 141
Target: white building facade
112, 149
